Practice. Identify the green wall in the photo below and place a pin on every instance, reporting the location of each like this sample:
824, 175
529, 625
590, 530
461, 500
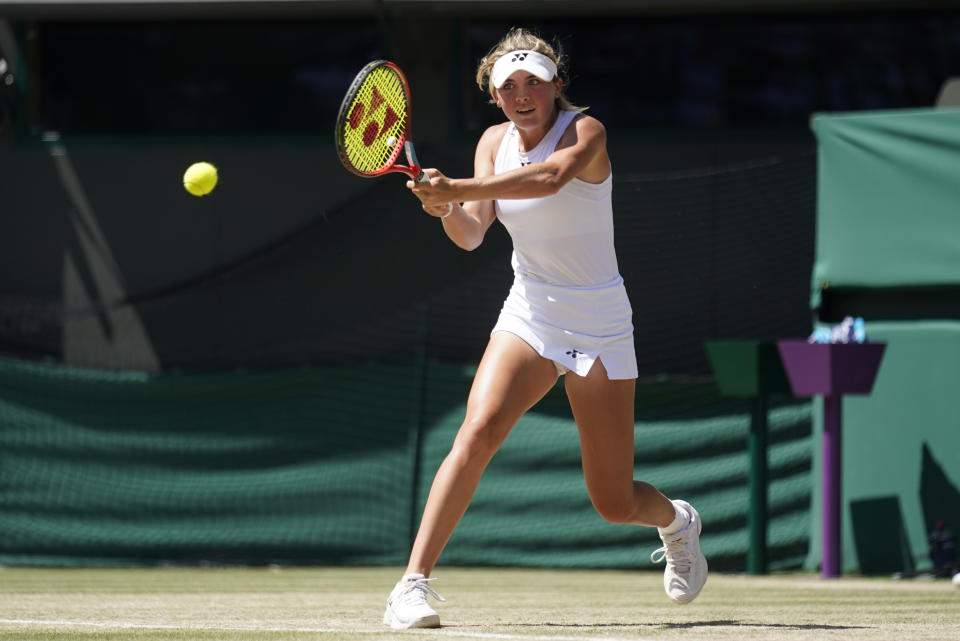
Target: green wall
887, 242
901, 451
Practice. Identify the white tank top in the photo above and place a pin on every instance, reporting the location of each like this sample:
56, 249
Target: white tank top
565, 239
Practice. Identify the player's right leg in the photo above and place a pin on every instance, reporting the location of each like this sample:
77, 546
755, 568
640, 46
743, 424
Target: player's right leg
511, 378
603, 410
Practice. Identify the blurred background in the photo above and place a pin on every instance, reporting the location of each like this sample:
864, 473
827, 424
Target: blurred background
272, 373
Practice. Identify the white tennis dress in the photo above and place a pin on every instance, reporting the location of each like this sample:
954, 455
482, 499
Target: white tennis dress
567, 299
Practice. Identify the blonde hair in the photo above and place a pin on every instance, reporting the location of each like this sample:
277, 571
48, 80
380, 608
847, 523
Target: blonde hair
515, 39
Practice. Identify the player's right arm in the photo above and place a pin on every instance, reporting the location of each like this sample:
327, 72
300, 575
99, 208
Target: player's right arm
468, 223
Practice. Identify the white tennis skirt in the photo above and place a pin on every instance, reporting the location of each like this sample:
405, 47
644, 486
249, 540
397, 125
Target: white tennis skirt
573, 326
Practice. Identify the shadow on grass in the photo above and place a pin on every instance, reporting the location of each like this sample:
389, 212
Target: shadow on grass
779, 626
689, 625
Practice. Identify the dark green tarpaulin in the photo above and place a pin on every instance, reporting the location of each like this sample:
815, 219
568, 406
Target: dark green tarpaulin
888, 201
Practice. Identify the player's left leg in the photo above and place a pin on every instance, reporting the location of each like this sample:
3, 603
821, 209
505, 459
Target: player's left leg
603, 411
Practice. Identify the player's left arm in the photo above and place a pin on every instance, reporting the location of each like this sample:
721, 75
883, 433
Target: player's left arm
581, 153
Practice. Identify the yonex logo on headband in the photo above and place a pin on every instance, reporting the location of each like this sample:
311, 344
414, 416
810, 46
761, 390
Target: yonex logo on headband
530, 61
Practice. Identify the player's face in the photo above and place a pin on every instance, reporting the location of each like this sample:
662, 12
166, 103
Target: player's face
527, 100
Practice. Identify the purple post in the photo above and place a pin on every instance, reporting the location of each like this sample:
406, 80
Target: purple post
832, 563
831, 370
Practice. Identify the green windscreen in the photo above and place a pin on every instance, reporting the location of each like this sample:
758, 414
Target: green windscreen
332, 466
99, 467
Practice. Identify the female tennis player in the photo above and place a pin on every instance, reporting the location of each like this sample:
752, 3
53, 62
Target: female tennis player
545, 174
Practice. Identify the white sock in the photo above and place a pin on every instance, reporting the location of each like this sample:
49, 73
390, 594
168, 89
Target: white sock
679, 521
413, 576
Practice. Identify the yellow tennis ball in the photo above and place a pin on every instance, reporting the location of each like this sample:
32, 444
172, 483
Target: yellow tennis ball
200, 178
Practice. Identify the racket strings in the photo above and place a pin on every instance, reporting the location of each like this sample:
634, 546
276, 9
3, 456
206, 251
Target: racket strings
377, 113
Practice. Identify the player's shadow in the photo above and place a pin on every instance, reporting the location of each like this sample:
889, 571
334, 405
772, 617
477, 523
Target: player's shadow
743, 624
692, 625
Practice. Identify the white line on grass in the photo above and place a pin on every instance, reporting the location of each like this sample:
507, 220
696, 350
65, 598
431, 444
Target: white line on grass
126, 625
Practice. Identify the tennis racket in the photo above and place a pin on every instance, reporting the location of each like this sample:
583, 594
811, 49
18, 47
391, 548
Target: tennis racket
374, 124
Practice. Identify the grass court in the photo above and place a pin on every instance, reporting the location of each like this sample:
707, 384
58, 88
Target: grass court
334, 604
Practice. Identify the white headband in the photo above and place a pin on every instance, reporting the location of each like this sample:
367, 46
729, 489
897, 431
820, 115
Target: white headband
536, 63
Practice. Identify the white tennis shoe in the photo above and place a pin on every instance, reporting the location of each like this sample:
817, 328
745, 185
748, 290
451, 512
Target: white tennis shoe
686, 570
407, 605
